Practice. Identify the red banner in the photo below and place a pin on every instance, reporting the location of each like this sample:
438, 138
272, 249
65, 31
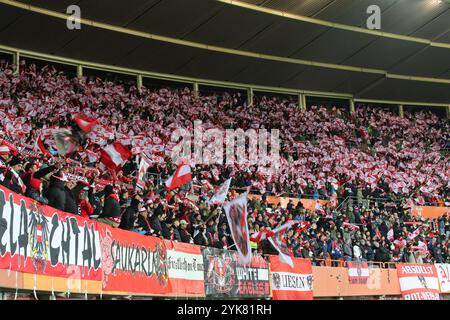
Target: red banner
418, 281
291, 283
186, 270
133, 264
41, 240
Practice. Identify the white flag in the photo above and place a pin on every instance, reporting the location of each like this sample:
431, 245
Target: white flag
220, 193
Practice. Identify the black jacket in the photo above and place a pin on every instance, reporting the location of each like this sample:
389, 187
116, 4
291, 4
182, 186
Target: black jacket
165, 231
143, 223
35, 195
176, 235
156, 224
56, 194
128, 218
185, 236
71, 205
111, 208
10, 181
200, 239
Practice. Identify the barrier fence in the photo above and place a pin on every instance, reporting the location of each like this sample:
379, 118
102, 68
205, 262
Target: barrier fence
46, 250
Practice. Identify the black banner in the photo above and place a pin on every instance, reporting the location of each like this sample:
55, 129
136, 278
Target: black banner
225, 277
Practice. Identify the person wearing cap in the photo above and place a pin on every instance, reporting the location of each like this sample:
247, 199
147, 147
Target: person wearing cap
142, 223
200, 239
184, 234
6, 151
10, 176
32, 179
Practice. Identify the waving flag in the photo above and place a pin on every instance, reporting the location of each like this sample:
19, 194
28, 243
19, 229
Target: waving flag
40, 147
390, 234
279, 243
66, 143
85, 123
414, 234
353, 226
261, 235
181, 176
143, 166
236, 213
220, 193
114, 156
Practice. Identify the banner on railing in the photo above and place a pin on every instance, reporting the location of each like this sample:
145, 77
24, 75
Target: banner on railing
133, 264
186, 271
40, 240
443, 272
225, 277
291, 283
418, 281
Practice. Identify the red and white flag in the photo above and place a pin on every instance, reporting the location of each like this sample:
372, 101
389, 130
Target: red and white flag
85, 123
236, 213
358, 272
114, 156
181, 176
418, 281
279, 243
414, 234
350, 226
220, 194
390, 234
261, 235
40, 147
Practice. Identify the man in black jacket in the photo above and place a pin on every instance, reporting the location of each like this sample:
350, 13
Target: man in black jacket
10, 176
73, 190
184, 234
176, 230
156, 222
56, 193
111, 213
130, 215
200, 239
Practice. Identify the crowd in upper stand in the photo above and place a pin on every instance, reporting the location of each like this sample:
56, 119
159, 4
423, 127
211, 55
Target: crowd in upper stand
372, 153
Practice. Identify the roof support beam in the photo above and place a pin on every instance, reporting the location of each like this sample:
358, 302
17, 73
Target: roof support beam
352, 105
139, 82
79, 71
16, 62
250, 96
400, 111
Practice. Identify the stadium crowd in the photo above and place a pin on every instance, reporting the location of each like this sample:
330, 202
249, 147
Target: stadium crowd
371, 154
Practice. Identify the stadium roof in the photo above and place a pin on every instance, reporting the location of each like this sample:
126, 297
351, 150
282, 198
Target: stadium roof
319, 45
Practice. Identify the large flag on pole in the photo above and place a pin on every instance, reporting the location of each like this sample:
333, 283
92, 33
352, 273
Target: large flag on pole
236, 212
220, 194
181, 176
279, 243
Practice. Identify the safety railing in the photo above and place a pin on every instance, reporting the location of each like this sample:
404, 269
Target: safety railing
341, 263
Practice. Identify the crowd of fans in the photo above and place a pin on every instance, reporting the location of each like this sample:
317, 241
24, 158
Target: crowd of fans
373, 153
